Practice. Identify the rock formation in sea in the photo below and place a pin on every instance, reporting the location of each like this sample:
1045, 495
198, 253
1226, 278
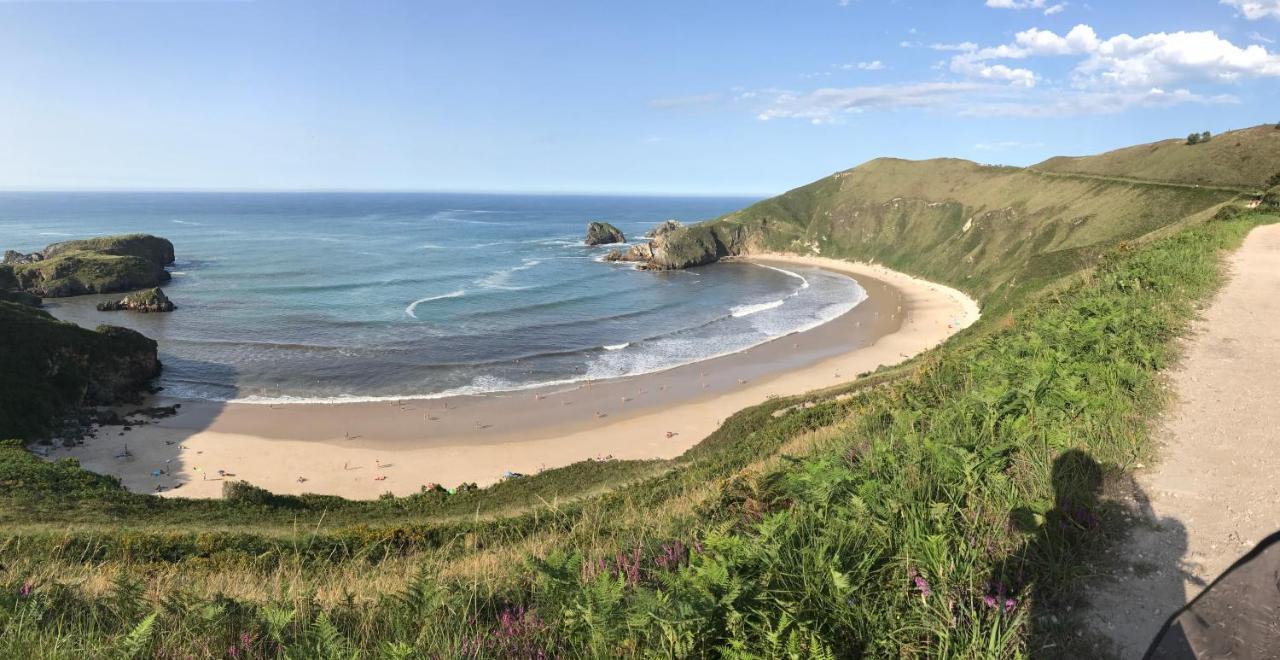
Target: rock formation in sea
675, 246
149, 300
603, 233
98, 265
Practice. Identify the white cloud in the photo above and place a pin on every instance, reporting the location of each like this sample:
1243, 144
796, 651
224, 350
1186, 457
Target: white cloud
830, 105
1255, 9
874, 65
1071, 103
1049, 9
1261, 39
824, 105
1016, 4
684, 101
1126, 61
964, 46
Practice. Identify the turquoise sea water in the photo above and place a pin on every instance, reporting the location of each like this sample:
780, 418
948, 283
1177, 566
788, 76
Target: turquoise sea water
335, 296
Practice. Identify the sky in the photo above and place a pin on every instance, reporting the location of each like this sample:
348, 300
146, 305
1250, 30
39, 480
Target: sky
748, 97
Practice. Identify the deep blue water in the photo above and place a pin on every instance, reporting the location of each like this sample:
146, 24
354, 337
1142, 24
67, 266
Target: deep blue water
336, 295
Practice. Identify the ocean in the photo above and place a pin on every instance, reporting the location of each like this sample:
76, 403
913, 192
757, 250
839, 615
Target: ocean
329, 297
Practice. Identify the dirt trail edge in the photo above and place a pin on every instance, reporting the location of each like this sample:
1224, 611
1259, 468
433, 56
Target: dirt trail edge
1216, 489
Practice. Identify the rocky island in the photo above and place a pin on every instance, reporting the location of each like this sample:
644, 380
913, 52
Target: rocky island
106, 264
675, 246
603, 233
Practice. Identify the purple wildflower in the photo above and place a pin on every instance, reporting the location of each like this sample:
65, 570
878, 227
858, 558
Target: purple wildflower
989, 601
1009, 605
26, 589
923, 585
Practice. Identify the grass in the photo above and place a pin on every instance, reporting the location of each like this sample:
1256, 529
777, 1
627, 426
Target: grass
1243, 159
97, 265
949, 508
998, 233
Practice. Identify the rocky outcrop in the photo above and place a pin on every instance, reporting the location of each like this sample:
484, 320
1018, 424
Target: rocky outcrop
144, 246
50, 369
11, 292
98, 265
603, 233
678, 247
664, 227
150, 300
12, 257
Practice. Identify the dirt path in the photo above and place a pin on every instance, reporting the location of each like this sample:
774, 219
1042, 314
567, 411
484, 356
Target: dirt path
1216, 489
1145, 182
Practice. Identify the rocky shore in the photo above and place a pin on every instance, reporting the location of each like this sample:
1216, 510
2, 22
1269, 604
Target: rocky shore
147, 301
50, 370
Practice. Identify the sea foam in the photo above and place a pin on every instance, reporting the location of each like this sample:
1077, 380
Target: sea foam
414, 305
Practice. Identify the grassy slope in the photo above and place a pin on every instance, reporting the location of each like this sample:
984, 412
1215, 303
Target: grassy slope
931, 474
1244, 158
893, 537
996, 232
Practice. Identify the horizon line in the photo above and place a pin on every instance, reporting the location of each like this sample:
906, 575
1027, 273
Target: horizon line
421, 191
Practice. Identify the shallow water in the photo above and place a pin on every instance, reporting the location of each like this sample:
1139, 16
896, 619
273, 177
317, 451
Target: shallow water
352, 296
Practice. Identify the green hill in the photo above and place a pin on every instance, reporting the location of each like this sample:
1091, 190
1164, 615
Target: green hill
1244, 159
996, 232
947, 507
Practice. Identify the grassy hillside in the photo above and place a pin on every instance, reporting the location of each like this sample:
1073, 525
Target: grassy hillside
996, 232
1244, 158
947, 507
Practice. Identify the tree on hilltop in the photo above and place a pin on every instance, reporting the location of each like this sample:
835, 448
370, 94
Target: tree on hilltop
1194, 138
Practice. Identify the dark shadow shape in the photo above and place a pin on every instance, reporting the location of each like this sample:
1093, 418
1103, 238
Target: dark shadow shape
1237, 616
1070, 537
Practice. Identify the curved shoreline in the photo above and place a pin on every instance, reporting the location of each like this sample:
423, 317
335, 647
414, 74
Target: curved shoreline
290, 400
362, 450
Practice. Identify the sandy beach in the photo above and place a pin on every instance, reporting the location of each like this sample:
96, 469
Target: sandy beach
362, 450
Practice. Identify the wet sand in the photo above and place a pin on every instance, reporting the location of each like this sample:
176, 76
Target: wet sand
361, 450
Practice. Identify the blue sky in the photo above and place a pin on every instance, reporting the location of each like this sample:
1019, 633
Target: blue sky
680, 96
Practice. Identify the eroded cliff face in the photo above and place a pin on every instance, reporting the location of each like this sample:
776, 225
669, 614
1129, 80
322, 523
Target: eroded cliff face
50, 369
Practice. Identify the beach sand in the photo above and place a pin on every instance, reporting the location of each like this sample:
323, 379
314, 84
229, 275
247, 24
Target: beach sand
362, 450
